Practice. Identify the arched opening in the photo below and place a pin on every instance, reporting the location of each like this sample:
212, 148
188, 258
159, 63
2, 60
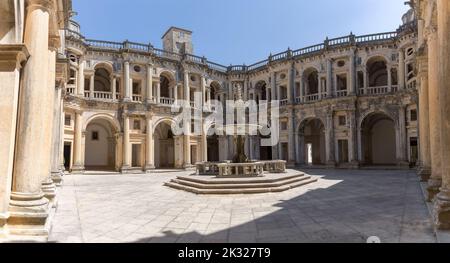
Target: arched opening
312, 142
102, 80
378, 72
312, 81
265, 152
261, 91
100, 148
378, 140
165, 87
212, 146
164, 146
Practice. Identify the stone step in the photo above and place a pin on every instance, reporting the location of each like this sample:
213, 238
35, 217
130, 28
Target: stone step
253, 180
232, 190
240, 185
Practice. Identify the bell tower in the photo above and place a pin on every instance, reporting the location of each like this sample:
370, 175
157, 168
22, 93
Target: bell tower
178, 40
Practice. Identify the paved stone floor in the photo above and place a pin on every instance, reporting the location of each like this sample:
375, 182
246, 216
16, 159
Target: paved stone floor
343, 206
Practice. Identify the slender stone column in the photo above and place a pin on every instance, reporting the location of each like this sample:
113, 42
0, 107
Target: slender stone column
401, 138
48, 186
352, 145
28, 206
434, 118
80, 78
245, 97
352, 77
330, 78
126, 81
203, 90
113, 87
91, 86
150, 163
366, 80
204, 137
401, 69
302, 84
57, 138
11, 59
78, 163
291, 139
187, 128
158, 92
424, 170
149, 84
329, 140
126, 166
442, 201
273, 86
389, 80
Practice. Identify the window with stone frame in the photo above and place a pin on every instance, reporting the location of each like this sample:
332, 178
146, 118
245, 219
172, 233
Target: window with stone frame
342, 120
137, 125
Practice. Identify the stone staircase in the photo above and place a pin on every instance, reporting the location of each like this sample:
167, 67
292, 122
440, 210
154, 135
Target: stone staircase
272, 183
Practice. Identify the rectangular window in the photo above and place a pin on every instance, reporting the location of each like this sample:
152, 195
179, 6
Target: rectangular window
284, 126
413, 115
342, 121
136, 125
95, 136
67, 120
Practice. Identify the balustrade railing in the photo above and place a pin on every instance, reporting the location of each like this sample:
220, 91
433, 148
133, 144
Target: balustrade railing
166, 101
341, 93
87, 94
137, 98
298, 100
102, 95
312, 97
284, 102
376, 37
411, 84
374, 90
70, 89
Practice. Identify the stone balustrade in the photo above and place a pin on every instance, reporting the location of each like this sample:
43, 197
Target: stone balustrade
277, 166
230, 170
208, 168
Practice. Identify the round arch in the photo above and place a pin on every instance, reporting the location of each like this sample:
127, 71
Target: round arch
378, 139
310, 141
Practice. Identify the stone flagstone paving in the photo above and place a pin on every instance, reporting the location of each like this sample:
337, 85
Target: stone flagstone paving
343, 206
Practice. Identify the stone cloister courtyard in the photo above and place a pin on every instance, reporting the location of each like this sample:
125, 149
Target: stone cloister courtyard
342, 206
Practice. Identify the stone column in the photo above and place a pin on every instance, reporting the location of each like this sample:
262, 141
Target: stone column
48, 186
401, 69
78, 162
245, 97
389, 73
329, 140
366, 80
149, 163
401, 137
126, 81
158, 92
204, 146
353, 139
80, 78
273, 86
113, 87
302, 84
434, 116
442, 201
126, 166
330, 78
149, 84
28, 207
91, 85
291, 85
203, 90
11, 59
424, 170
352, 76
187, 127
291, 138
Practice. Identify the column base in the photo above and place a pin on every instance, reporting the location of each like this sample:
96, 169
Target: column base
403, 164
78, 169
3, 218
424, 173
149, 168
49, 189
57, 178
28, 214
433, 188
331, 165
441, 211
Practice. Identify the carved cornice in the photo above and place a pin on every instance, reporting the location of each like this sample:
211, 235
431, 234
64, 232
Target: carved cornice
13, 56
45, 5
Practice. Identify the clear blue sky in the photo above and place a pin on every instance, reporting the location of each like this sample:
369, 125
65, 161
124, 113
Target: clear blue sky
237, 31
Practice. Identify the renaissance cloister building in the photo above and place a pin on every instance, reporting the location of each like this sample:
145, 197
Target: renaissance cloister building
71, 104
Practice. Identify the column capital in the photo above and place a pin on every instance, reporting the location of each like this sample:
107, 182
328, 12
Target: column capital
13, 55
46, 5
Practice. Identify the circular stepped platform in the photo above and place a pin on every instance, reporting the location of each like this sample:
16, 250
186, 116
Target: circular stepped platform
269, 183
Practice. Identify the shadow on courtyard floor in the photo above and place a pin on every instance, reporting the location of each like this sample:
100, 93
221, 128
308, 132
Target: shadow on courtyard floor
344, 208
